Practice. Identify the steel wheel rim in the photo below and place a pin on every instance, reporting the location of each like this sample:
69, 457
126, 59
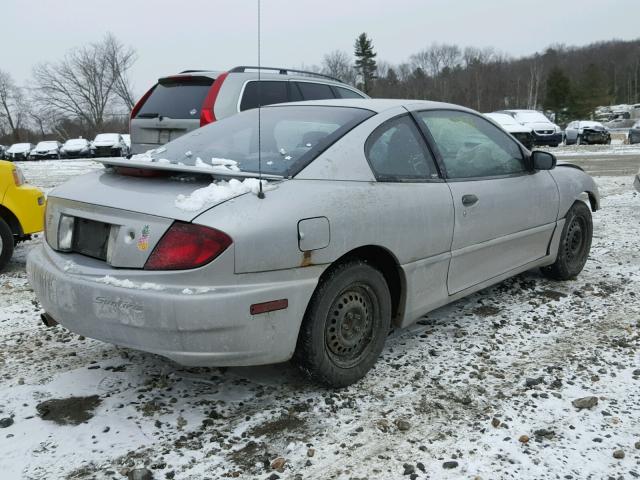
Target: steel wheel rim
576, 239
350, 325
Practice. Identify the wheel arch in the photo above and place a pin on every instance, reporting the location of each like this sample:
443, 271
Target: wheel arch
11, 220
386, 262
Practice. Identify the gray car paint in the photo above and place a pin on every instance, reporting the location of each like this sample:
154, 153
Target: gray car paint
515, 226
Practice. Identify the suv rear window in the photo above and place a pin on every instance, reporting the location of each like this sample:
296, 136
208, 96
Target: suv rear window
271, 92
177, 98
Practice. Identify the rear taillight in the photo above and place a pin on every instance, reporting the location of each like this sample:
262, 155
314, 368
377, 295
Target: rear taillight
206, 115
140, 103
186, 246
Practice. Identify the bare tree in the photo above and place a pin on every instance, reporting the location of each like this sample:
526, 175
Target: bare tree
121, 59
13, 108
339, 64
87, 83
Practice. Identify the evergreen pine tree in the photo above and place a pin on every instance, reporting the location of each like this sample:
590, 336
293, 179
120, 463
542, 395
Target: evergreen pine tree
559, 98
365, 61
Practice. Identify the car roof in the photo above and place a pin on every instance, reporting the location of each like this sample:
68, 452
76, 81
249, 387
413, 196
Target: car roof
252, 75
378, 104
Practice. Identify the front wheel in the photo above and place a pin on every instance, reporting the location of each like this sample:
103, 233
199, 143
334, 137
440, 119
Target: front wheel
6, 244
345, 325
575, 244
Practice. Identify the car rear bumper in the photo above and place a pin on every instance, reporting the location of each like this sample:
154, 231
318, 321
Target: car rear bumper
553, 139
212, 328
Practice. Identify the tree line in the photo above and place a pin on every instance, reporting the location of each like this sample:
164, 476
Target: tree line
84, 93
89, 90
568, 81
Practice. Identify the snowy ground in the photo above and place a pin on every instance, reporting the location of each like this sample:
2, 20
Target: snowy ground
465, 385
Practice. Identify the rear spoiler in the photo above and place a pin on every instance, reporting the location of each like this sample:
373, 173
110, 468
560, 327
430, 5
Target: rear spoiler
142, 165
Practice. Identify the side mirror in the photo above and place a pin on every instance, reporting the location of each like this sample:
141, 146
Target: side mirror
542, 160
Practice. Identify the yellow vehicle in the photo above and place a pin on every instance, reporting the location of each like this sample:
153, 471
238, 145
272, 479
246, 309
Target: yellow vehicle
21, 210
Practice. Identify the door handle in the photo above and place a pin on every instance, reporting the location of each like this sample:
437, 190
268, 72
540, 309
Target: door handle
468, 200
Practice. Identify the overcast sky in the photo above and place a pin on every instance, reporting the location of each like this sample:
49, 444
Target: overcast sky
171, 35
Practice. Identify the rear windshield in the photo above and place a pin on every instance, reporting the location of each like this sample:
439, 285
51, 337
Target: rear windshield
176, 98
290, 138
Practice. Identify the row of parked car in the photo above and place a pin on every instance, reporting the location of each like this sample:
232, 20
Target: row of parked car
532, 128
104, 145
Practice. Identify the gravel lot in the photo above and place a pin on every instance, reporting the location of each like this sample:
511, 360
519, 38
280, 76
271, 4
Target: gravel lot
482, 388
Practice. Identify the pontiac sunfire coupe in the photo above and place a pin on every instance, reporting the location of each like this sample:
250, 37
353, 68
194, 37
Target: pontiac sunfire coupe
370, 213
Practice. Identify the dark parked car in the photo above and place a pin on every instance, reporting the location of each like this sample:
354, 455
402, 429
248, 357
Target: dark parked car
586, 132
109, 145
19, 151
46, 149
634, 133
76, 148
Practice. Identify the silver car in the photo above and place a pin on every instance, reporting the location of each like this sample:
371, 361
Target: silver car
181, 103
370, 213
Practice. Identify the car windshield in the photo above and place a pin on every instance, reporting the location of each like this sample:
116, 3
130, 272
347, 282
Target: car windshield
289, 138
107, 137
76, 142
46, 145
527, 117
19, 147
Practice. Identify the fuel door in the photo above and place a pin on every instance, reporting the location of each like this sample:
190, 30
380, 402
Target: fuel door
313, 233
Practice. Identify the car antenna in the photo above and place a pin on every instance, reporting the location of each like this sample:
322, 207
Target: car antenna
260, 191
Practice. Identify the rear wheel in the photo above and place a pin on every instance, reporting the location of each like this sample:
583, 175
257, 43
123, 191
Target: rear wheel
6, 244
575, 244
345, 326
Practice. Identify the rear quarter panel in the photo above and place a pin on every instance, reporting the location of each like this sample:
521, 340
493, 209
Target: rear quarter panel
412, 221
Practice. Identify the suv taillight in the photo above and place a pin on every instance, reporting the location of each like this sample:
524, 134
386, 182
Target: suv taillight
185, 246
206, 115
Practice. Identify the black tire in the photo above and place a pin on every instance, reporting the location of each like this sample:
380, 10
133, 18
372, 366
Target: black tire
6, 244
329, 349
575, 244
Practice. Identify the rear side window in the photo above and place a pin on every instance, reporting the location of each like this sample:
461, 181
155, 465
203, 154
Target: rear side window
397, 152
315, 91
176, 98
270, 92
346, 93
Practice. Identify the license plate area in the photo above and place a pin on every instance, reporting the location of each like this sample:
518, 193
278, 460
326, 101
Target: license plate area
91, 238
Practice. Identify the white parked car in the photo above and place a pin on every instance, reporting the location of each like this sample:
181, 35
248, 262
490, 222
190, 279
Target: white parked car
522, 133
545, 132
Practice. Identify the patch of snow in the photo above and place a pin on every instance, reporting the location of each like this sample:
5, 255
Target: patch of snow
126, 283
219, 191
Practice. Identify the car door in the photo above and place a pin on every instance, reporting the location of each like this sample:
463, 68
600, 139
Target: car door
505, 213
418, 199
571, 132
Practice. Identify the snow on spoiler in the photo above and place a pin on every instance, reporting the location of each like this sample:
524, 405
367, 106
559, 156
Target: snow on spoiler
172, 167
